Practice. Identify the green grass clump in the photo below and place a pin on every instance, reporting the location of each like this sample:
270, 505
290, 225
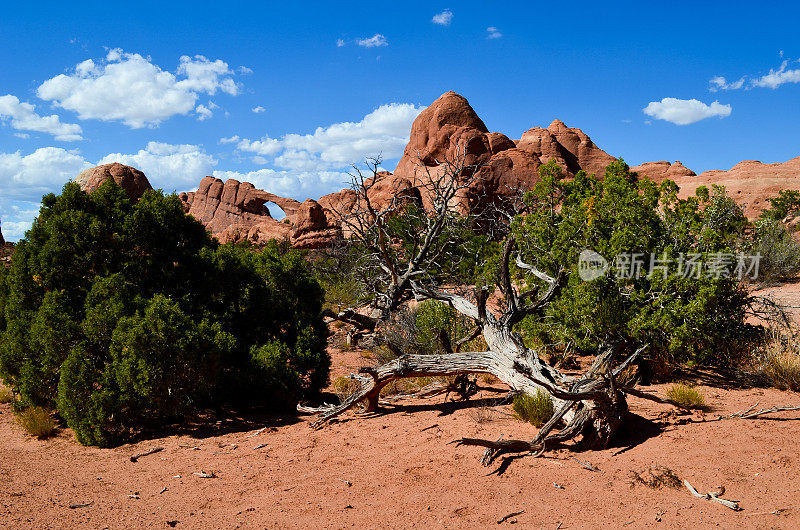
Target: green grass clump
37, 421
535, 409
686, 395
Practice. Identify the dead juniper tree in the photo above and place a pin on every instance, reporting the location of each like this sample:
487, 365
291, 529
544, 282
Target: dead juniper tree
591, 406
404, 233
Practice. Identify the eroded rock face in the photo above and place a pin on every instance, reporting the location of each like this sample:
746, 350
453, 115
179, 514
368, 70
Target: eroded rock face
450, 124
133, 181
750, 182
662, 170
235, 211
219, 204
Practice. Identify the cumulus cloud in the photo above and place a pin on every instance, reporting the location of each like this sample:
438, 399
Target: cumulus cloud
28, 177
266, 146
383, 131
493, 33
258, 110
23, 117
203, 112
230, 140
376, 41
296, 184
444, 18
685, 111
129, 88
168, 166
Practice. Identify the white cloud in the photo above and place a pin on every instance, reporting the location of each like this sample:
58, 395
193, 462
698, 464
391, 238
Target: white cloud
266, 146
720, 83
203, 113
168, 166
295, 184
231, 140
22, 135
340, 43
28, 177
22, 117
444, 18
685, 111
206, 76
375, 41
493, 33
258, 110
245, 70
129, 88
383, 131
776, 78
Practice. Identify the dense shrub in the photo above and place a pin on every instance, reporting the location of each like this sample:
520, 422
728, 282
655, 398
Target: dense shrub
683, 317
121, 314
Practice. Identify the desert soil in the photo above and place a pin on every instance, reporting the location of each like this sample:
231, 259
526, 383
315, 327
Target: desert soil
398, 469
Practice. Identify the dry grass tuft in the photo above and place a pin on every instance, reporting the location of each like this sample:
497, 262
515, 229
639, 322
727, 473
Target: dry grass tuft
686, 395
780, 363
344, 387
481, 414
37, 421
656, 477
535, 409
6, 396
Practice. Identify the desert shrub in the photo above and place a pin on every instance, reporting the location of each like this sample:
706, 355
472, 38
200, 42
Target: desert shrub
693, 318
779, 251
37, 421
6, 395
536, 409
417, 331
121, 314
686, 395
787, 201
779, 361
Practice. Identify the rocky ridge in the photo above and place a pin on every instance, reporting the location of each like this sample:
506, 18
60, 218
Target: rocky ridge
447, 129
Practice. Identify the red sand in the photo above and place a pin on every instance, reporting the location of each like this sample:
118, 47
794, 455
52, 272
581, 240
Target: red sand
386, 471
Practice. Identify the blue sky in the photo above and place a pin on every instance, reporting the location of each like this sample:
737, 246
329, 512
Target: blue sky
287, 95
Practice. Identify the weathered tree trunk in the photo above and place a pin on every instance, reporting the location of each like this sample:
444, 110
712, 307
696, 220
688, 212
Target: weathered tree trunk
591, 407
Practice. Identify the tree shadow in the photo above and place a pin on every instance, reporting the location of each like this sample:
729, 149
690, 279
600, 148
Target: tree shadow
218, 422
634, 431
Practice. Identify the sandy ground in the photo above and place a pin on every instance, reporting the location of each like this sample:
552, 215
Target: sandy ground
398, 470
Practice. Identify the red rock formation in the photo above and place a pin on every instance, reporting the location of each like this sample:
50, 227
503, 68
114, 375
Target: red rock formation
311, 228
750, 183
219, 205
659, 171
130, 179
236, 211
450, 123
